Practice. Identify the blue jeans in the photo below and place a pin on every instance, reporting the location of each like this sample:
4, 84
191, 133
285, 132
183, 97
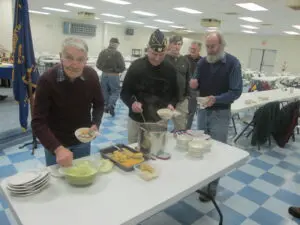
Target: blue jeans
216, 124
192, 107
79, 151
111, 89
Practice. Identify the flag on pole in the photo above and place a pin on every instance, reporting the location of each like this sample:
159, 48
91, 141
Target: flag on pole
25, 73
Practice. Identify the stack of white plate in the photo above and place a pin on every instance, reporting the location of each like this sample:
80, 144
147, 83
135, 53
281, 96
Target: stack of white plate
28, 183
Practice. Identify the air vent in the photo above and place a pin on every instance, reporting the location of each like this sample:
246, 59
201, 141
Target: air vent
79, 29
231, 13
210, 22
86, 15
293, 4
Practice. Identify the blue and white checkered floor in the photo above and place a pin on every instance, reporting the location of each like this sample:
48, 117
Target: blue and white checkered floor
259, 192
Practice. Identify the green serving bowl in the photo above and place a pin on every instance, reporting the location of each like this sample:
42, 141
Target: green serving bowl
82, 173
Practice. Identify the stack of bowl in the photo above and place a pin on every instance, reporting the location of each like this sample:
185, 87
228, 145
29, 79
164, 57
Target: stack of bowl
198, 147
182, 141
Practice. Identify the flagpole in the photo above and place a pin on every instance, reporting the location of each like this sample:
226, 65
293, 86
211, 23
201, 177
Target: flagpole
31, 101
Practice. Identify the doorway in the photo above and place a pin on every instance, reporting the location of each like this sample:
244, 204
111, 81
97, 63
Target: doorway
262, 60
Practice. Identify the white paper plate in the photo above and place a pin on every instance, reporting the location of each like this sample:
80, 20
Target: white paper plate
25, 178
30, 187
28, 193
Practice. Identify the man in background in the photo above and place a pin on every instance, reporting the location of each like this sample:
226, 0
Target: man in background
219, 78
64, 98
150, 84
193, 57
111, 63
183, 74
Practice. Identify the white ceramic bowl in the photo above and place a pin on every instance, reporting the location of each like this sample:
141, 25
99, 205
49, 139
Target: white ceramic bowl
202, 101
183, 139
199, 146
196, 154
165, 114
84, 135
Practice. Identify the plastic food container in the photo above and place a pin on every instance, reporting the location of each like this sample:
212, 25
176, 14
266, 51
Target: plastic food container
146, 171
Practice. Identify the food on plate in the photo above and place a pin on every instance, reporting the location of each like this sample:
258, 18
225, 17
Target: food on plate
86, 133
146, 168
138, 155
127, 158
146, 172
106, 166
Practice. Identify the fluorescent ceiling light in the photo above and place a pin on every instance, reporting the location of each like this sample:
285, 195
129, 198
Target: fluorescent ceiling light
55, 9
190, 31
164, 21
163, 30
153, 27
112, 15
291, 32
250, 19
249, 31
296, 26
120, 2
38, 12
144, 13
251, 6
97, 18
187, 10
212, 28
110, 22
79, 6
136, 22
249, 27
179, 27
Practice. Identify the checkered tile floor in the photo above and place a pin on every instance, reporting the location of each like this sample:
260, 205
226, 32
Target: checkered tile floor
259, 192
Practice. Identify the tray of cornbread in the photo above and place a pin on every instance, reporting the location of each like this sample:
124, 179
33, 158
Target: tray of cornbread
123, 156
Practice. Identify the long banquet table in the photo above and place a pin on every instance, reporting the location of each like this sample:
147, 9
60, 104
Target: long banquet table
122, 198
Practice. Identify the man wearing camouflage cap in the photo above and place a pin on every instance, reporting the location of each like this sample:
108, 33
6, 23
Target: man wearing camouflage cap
183, 73
149, 85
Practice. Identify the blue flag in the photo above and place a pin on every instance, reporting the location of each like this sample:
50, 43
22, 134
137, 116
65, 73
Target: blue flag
25, 73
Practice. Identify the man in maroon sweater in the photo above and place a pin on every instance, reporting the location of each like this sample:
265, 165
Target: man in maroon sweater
64, 98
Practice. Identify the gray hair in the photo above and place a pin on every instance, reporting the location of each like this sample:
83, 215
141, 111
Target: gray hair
219, 35
75, 42
198, 43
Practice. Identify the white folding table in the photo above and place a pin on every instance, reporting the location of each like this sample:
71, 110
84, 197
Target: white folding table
123, 198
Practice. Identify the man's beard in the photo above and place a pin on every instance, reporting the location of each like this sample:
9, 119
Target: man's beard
215, 58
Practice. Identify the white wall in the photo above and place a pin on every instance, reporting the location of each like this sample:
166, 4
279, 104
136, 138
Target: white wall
288, 49
6, 24
47, 35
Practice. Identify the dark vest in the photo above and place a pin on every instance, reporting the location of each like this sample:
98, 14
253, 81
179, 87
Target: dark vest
214, 78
